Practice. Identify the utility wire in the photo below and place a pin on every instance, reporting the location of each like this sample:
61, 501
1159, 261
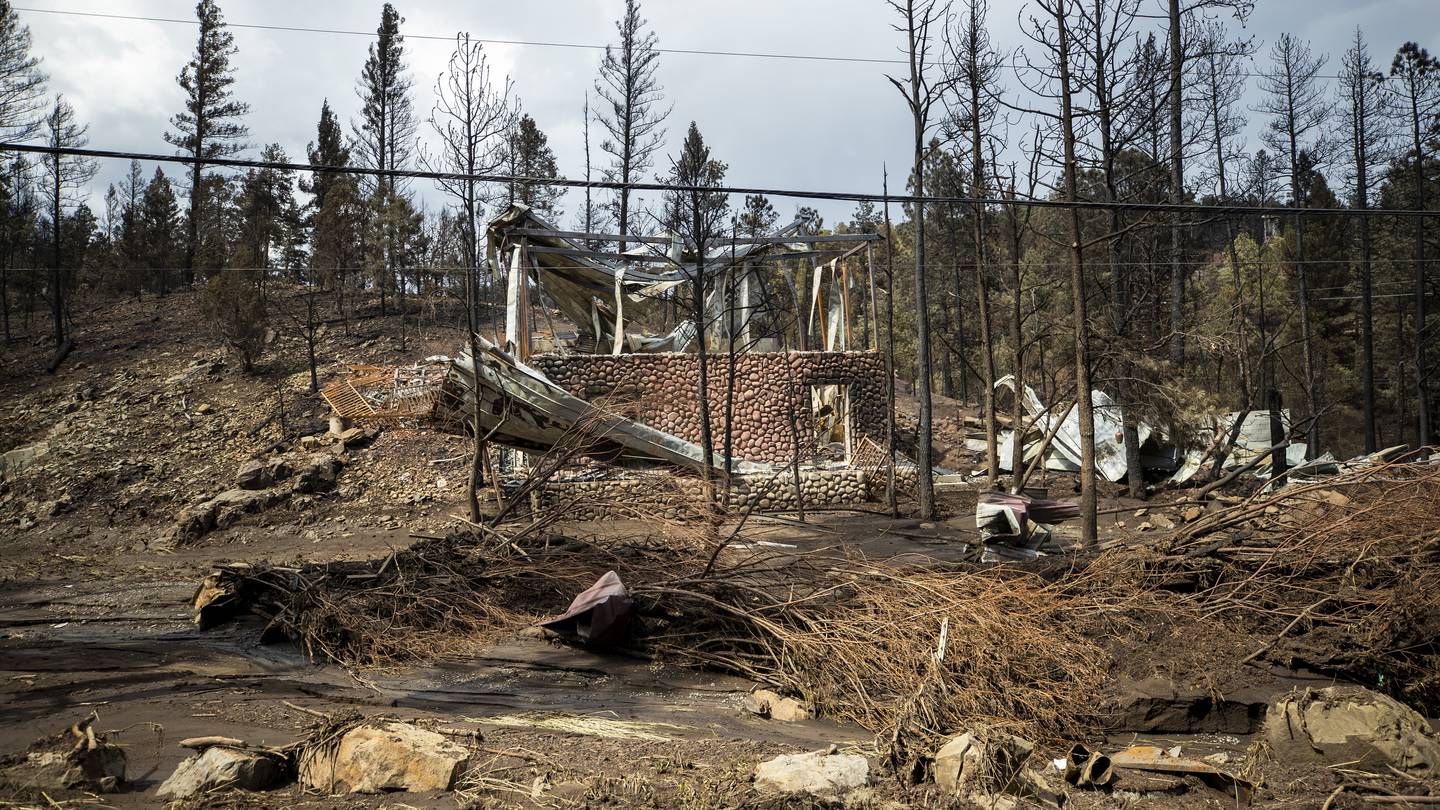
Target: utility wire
1084, 205
800, 57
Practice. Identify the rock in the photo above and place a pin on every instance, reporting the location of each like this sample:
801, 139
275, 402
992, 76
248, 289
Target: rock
14, 462
818, 773
194, 522
204, 408
317, 473
254, 474
767, 703
309, 442
981, 761
1159, 705
1162, 521
1192, 513
988, 767
386, 755
278, 468
61, 762
219, 768
1352, 725
352, 435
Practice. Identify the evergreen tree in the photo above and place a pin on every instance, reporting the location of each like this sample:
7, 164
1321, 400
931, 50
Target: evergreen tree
159, 230
265, 196
698, 216
209, 126
758, 216
22, 84
383, 138
528, 154
630, 112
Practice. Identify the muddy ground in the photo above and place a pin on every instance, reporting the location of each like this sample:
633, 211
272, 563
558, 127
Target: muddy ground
149, 415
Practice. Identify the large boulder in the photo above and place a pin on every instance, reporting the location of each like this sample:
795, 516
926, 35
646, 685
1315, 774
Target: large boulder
385, 755
220, 768
317, 473
253, 474
14, 462
819, 773
1353, 725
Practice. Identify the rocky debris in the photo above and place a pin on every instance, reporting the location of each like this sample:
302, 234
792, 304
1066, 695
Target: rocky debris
1192, 513
1352, 725
221, 768
353, 437
989, 767
204, 408
258, 474
14, 462
201, 366
223, 510
775, 706
313, 473
819, 773
75, 759
253, 474
317, 473
384, 755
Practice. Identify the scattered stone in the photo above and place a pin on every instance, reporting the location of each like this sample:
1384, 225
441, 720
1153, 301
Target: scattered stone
1192, 513
204, 408
988, 767
317, 473
1161, 521
220, 768
1355, 726
819, 773
225, 509
1142, 512
14, 462
352, 435
775, 706
254, 474
386, 755
77, 758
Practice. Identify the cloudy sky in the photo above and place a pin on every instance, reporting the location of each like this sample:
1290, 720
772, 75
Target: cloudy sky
780, 123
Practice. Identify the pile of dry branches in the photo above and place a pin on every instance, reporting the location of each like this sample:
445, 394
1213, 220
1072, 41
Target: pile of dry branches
1336, 576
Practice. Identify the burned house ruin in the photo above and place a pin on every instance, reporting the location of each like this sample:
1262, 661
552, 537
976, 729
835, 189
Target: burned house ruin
792, 370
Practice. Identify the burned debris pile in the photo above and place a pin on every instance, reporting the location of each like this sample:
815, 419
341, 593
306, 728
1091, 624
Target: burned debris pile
1306, 578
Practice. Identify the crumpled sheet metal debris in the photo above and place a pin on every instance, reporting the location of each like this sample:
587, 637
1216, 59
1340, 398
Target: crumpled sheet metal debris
1064, 451
599, 615
1158, 760
1020, 521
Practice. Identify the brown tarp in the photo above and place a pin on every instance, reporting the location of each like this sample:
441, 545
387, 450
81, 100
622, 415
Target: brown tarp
599, 615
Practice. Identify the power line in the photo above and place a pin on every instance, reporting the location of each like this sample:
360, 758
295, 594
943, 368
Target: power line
797, 57
451, 38
1205, 211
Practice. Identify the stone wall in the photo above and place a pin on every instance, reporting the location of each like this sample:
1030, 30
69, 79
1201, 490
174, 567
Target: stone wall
661, 390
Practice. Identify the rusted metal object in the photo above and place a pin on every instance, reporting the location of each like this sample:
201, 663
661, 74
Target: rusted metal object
387, 394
